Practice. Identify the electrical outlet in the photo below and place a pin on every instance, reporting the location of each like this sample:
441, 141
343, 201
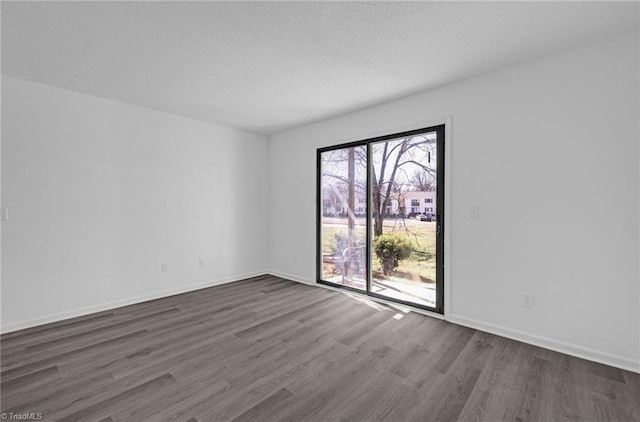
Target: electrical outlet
165, 268
527, 300
474, 211
201, 262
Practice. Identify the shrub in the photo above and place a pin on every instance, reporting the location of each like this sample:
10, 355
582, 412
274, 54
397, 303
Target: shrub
390, 249
339, 243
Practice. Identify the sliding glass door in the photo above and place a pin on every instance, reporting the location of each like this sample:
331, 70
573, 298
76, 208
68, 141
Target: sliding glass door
380, 217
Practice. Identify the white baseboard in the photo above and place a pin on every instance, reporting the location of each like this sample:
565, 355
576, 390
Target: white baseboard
292, 277
20, 325
567, 348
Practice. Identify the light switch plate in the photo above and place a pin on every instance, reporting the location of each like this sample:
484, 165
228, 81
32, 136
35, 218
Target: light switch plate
474, 211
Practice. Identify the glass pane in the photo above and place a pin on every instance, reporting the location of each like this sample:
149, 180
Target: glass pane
403, 226
344, 213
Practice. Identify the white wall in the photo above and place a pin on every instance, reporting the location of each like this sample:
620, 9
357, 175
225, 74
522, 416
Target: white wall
101, 194
549, 149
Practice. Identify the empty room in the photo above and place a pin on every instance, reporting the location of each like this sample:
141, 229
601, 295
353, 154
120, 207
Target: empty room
320, 211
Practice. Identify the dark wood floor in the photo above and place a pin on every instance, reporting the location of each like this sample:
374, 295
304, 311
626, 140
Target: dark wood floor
267, 349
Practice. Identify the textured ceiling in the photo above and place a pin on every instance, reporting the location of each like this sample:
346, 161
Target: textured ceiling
270, 66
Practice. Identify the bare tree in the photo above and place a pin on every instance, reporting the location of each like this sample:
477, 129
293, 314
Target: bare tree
394, 157
343, 174
351, 198
388, 177
422, 181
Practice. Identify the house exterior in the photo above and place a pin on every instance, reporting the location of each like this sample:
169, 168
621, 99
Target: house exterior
335, 202
409, 204
420, 202
406, 204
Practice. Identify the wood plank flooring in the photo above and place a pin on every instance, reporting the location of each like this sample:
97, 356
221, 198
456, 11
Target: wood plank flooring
268, 349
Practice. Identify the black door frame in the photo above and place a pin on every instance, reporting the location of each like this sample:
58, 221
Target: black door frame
440, 188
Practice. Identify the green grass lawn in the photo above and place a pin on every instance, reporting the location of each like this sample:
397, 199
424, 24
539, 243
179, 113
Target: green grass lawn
420, 266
